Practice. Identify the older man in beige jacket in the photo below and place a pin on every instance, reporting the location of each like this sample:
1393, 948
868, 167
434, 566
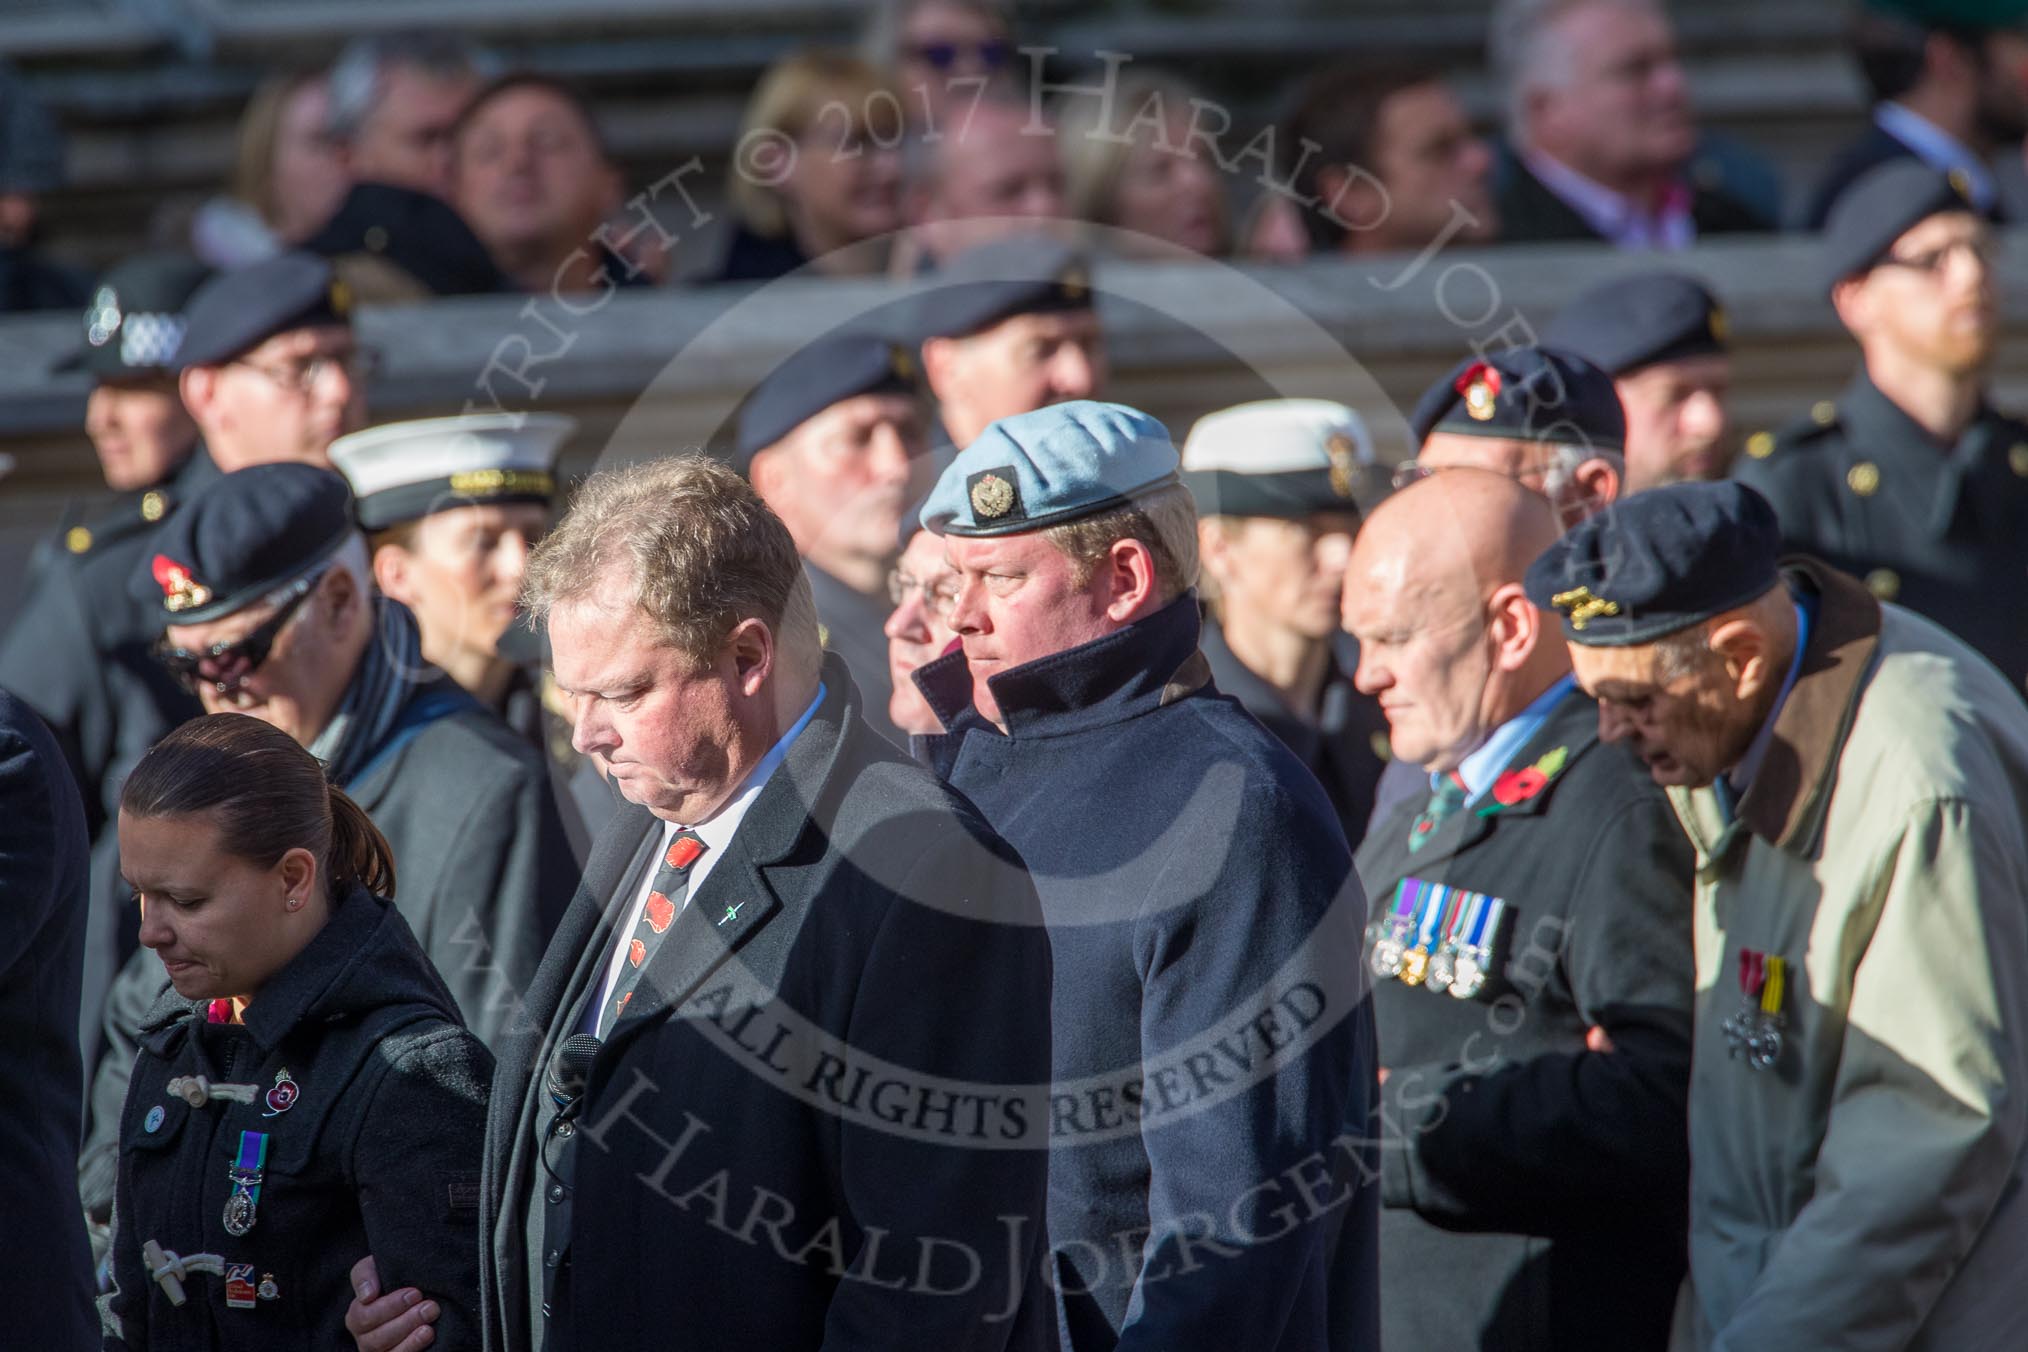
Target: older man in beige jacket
1855, 782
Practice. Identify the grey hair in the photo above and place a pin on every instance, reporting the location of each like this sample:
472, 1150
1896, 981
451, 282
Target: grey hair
1522, 49
1680, 653
1565, 458
357, 74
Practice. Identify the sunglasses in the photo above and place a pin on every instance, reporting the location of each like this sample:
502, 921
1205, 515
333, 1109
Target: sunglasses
228, 666
990, 55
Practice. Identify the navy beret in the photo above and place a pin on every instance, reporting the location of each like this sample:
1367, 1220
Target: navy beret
1658, 561
241, 537
1025, 274
1045, 468
135, 322
242, 309
1526, 394
1882, 206
828, 371
1626, 323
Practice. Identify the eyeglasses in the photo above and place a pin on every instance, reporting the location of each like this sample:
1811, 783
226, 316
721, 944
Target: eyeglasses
989, 55
1983, 251
359, 365
940, 598
228, 666
1409, 471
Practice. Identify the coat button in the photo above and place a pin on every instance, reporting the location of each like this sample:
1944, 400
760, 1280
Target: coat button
552, 1258
1864, 478
565, 1130
1760, 445
2017, 459
1884, 583
1823, 413
556, 1192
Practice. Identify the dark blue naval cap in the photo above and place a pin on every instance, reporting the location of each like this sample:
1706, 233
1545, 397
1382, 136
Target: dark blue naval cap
1535, 394
242, 309
135, 322
1658, 561
831, 370
241, 537
991, 282
1045, 468
1882, 206
1626, 323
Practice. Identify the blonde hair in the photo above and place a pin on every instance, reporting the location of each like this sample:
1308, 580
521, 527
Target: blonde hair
703, 552
791, 100
260, 126
1165, 520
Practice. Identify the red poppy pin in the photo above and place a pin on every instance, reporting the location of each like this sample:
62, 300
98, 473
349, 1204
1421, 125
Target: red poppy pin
1481, 387
658, 912
180, 591
684, 852
1518, 786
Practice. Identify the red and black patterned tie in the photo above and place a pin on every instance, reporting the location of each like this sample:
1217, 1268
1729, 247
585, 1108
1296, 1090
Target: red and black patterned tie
658, 912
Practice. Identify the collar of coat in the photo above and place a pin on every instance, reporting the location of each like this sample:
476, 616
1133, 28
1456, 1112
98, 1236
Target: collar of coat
1129, 672
1786, 802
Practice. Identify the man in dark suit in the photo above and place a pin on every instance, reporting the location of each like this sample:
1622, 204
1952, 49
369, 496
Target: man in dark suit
777, 1085
1604, 142
44, 883
1213, 1034
1531, 943
1946, 85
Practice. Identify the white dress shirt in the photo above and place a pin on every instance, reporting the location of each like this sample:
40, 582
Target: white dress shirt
716, 833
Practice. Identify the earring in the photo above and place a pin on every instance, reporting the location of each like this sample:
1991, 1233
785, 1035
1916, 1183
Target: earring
295, 903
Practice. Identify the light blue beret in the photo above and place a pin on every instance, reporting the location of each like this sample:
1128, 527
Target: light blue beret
1048, 467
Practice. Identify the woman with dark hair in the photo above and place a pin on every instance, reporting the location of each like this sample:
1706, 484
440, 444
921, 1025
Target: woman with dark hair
305, 1090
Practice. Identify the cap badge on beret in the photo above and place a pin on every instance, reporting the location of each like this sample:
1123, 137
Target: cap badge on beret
180, 591
1074, 282
1721, 325
901, 363
341, 298
1961, 183
102, 321
1343, 455
1481, 387
993, 496
1582, 606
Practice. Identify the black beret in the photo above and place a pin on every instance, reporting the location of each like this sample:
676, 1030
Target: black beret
1882, 206
1626, 323
418, 233
1022, 275
241, 537
135, 322
828, 371
1658, 561
1526, 394
242, 309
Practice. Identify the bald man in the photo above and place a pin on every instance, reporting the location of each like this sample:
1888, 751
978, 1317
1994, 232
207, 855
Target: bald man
1531, 954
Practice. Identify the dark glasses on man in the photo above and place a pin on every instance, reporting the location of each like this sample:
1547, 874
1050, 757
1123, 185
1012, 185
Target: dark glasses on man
228, 666
990, 55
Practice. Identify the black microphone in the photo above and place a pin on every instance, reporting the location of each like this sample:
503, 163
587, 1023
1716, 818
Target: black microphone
569, 1070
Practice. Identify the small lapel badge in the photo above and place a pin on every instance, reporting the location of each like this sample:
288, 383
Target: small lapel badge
282, 1096
731, 912
240, 1291
153, 1121
268, 1289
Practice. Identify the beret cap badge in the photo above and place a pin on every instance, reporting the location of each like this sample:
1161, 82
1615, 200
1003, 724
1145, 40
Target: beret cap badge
1343, 455
103, 320
992, 496
180, 591
1583, 607
1074, 283
1481, 388
1721, 325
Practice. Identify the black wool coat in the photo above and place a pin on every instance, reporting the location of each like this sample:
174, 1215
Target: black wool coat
45, 1286
378, 1151
1213, 1070
1536, 1193
814, 1125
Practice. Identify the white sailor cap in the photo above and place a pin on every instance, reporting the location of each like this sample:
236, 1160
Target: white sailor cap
407, 470
1281, 457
